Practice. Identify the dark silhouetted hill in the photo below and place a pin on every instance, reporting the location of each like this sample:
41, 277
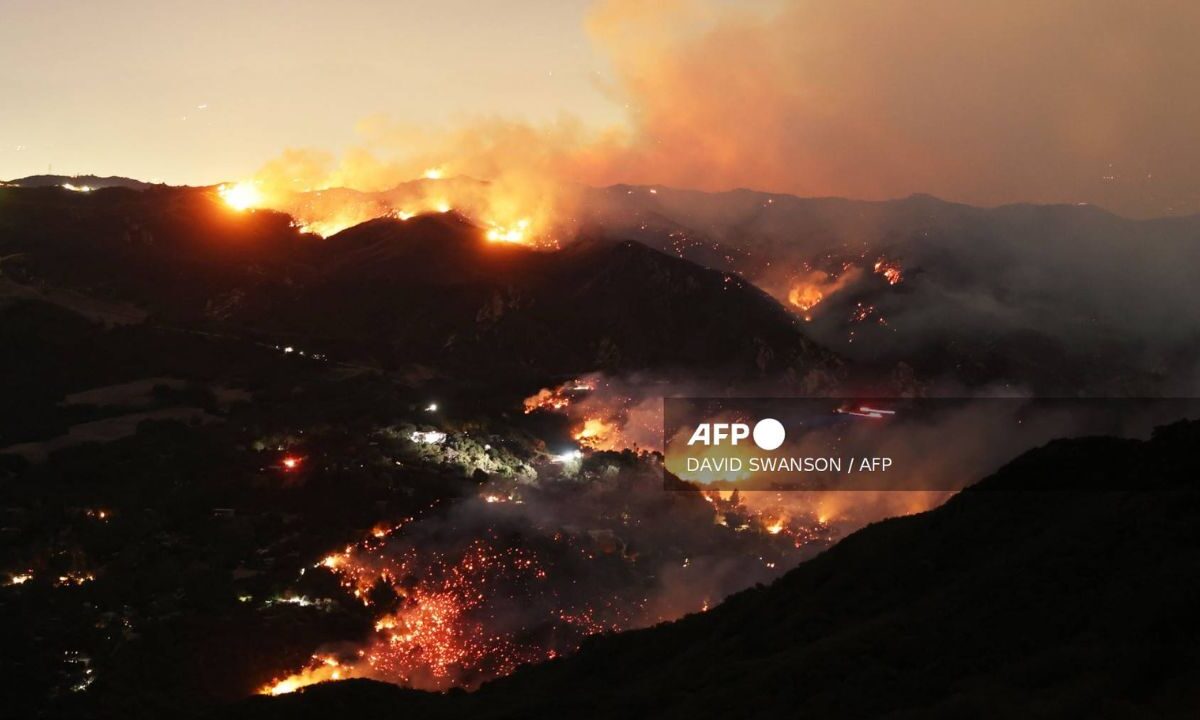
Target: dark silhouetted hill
92, 181
430, 290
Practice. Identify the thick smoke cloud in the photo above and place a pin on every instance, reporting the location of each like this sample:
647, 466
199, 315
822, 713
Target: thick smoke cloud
1062, 101
986, 103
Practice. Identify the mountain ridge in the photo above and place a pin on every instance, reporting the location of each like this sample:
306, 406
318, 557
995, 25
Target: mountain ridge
431, 289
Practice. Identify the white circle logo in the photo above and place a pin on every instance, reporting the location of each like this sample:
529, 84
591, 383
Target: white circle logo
768, 433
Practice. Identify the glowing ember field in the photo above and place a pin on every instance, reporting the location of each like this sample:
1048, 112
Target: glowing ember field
439, 621
521, 571
458, 616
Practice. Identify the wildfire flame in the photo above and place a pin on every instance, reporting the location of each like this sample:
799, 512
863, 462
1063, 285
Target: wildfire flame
810, 290
324, 668
521, 208
438, 635
806, 296
861, 312
445, 617
602, 415
891, 270
558, 398
595, 432
513, 234
241, 196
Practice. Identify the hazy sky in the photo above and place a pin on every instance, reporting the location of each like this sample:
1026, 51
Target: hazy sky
117, 86
981, 101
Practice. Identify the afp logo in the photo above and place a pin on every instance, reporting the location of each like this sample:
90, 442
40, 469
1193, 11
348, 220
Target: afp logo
768, 433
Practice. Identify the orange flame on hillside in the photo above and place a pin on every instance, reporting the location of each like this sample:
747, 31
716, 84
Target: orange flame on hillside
558, 398
596, 432
891, 270
241, 196
811, 289
520, 203
324, 668
602, 415
437, 635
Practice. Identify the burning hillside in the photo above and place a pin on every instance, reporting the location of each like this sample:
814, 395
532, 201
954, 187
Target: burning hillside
604, 413
435, 628
523, 571
509, 213
811, 289
814, 287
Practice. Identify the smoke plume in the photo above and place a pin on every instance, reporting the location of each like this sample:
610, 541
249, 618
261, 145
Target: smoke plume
1062, 101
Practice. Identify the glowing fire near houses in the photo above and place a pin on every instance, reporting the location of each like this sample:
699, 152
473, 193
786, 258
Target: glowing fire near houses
441, 616
523, 571
604, 414
460, 614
